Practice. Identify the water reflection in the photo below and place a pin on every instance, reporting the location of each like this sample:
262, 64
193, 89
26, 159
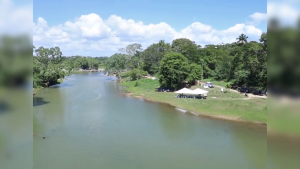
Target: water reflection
38, 101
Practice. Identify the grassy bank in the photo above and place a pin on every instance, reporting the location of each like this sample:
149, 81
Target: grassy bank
229, 105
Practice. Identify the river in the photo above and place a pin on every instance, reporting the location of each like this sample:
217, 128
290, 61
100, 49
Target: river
88, 123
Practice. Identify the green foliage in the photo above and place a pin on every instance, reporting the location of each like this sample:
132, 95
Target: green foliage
195, 73
136, 61
187, 48
228, 86
125, 74
242, 39
173, 71
116, 63
47, 66
242, 61
131, 50
153, 55
136, 84
137, 74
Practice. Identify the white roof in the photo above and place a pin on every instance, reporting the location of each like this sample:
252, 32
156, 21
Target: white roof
185, 91
199, 91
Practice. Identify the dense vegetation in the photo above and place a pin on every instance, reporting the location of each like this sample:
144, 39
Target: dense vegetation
49, 65
240, 62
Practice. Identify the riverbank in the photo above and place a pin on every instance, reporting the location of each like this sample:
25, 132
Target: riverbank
228, 105
35, 90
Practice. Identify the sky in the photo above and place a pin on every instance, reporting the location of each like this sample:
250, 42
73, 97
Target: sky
101, 27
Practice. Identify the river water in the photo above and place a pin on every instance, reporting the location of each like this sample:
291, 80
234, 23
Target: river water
88, 123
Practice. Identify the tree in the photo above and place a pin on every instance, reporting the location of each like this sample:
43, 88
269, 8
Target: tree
186, 47
136, 61
210, 57
263, 40
153, 55
116, 63
81, 62
132, 49
136, 74
242, 39
247, 64
48, 67
174, 69
195, 73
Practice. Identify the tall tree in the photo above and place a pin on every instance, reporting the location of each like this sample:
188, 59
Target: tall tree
242, 39
186, 47
132, 49
195, 73
153, 55
174, 69
116, 63
48, 68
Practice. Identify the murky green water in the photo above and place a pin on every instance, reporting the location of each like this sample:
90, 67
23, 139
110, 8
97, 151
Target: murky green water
89, 124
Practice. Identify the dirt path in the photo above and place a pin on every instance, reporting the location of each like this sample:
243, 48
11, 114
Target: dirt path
249, 94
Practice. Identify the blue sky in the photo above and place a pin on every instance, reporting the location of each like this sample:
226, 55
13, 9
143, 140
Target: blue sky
220, 14
98, 27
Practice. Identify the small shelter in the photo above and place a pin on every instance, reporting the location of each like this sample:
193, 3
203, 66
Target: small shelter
184, 91
199, 91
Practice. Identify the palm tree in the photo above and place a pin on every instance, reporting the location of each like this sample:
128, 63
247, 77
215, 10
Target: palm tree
242, 39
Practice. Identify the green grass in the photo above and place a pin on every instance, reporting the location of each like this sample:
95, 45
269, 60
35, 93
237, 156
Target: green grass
215, 82
230, 104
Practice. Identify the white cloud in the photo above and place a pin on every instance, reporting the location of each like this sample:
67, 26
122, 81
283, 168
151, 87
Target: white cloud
90, 26
205, 34
258, 17
128, 29
91, 35
252, 31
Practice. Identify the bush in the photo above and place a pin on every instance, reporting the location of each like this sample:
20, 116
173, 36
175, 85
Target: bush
124, 75
137, 74
228, 86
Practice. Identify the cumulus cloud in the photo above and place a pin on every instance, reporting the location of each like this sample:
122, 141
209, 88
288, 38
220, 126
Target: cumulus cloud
127, 29
92, 35
258, 17
91, 26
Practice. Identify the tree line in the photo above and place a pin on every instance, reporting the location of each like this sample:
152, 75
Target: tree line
49, 65
241, 62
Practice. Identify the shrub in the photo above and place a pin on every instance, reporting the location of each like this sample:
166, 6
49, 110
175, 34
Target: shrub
228, 86
137, 74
